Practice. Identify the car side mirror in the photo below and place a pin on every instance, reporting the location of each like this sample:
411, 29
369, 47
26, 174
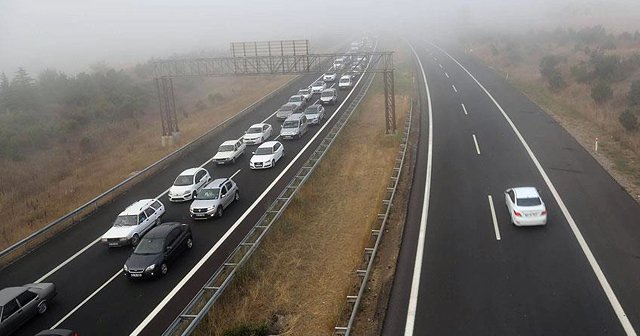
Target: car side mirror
253, 153
168, 248
245, 132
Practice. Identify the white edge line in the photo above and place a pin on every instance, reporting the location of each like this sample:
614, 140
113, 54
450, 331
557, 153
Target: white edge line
417, 269
87, 299
464, 109
215, 247
494, 218
475, 141
604, 283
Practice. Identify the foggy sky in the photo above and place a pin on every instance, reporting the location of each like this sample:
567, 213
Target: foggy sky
69, 35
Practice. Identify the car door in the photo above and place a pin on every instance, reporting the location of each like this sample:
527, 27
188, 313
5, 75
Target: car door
143, 223
224, 195
200, 179
159, 207
11, 316
230, 193
510, 199
28, 304
171, 244
151, 214
267, 131
277, 150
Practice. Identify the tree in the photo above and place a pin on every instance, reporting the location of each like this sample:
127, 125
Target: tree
634, 93
629, 120
4, 93
601, 92
22, 79
548, 65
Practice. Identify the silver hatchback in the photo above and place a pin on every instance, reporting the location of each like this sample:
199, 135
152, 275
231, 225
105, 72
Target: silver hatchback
214, 198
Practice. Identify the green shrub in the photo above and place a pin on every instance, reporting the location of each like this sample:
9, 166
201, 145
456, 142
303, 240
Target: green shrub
634, 93
629, 120
261, 330
601, 92
581, 73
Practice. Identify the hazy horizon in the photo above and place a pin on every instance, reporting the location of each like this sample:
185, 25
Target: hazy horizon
70, 35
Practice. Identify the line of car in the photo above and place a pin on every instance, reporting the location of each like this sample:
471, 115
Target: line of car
157, 244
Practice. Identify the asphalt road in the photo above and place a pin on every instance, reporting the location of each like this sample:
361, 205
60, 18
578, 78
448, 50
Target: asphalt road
95, 298
532, 281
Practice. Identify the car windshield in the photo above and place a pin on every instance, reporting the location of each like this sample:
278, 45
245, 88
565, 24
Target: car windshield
129, 220
254, 130
290, 124
148, 246
327, 94
226, 148
286, 108
209, 194
344, 80
303, 92
264, 151
329, 75
311, 110
183, 180
295, 99
317, 84
530, 201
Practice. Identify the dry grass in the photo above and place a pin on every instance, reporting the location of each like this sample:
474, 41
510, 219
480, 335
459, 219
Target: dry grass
50, 183
575, 110
298, 280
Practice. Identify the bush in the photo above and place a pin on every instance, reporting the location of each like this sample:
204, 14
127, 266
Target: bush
548, 65
555, 81
581, 73
629, 120
262, 330
601, 92
634, 93
607, 67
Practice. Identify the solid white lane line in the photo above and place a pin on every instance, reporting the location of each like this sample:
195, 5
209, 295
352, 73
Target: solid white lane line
454, 88
475, 141
236, 173
440, 65
602, 279
464, 109
276, 138
417, 268
446, 74
494, 218
235, 225
64, 263
87, 299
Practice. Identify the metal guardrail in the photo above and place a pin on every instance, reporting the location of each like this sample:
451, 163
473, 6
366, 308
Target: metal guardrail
197, 309
84, 210
370, 252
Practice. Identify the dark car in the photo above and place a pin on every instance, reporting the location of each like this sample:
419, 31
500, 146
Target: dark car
20, 304
57, 332
157, 249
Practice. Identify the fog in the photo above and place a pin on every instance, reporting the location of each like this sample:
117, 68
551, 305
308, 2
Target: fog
69, 35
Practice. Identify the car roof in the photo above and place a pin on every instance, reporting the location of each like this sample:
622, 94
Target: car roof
295, 116
526, 192
329, 90
230, 142
303, 89
217, 182
190, 171
258, 125
318, 82
268, 144
161, 230
10, 293
136, 207
346, 77
314, 106
295, 96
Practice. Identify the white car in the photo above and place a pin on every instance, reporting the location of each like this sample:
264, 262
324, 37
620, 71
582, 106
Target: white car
525, 206
306, 93
134, 222
188, 183
329, 77
299, 101
266, 155
286, 110
230, 151
346, 82
318, 87
257, 134
315, 114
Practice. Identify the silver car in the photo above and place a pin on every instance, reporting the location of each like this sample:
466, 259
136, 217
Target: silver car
285, 111
20, 304
214, 198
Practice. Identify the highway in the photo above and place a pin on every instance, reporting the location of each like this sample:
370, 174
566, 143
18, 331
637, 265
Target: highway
95, 298
464, 269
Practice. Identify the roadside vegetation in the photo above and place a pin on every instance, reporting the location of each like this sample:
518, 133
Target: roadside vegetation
298, 280
588, 79
66, 138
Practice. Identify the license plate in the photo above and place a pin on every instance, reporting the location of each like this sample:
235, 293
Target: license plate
136, 275
113, 244
200, 215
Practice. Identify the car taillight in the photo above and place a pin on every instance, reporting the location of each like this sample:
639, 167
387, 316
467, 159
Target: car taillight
517, 213
544, 212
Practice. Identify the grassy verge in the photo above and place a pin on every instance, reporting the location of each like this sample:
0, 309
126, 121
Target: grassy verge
298, 280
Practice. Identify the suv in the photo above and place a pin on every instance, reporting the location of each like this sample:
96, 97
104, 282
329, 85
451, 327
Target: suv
134, 222
329, 97
294, 127
229, 151
314, 113
346, 82
214, 198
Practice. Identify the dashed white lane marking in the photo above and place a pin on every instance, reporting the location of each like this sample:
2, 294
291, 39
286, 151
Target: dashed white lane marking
464, 109
602, 279
440, 65
494, 218
475, 141
446, 74
454, 88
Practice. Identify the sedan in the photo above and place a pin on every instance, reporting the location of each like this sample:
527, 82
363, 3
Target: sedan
57, 332
525, 206
314, 113
318, 87
329, 77
306, 93
229, 151
267, 155
157, 249
299, 101
188, 183
20, 304
257, 134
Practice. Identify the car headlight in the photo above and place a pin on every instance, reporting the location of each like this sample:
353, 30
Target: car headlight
186, 193
150, 268
124, 239
125, 268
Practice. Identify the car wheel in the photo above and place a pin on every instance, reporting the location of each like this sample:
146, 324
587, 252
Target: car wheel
233, 160
42, 307
273, 163
135, 239
164, 269
189, 242
237, 196
219, 211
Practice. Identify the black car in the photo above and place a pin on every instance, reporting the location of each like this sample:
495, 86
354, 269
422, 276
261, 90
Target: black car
157, 249
57, 332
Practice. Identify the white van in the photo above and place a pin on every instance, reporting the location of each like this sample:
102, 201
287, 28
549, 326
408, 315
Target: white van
295, 126
346, 82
